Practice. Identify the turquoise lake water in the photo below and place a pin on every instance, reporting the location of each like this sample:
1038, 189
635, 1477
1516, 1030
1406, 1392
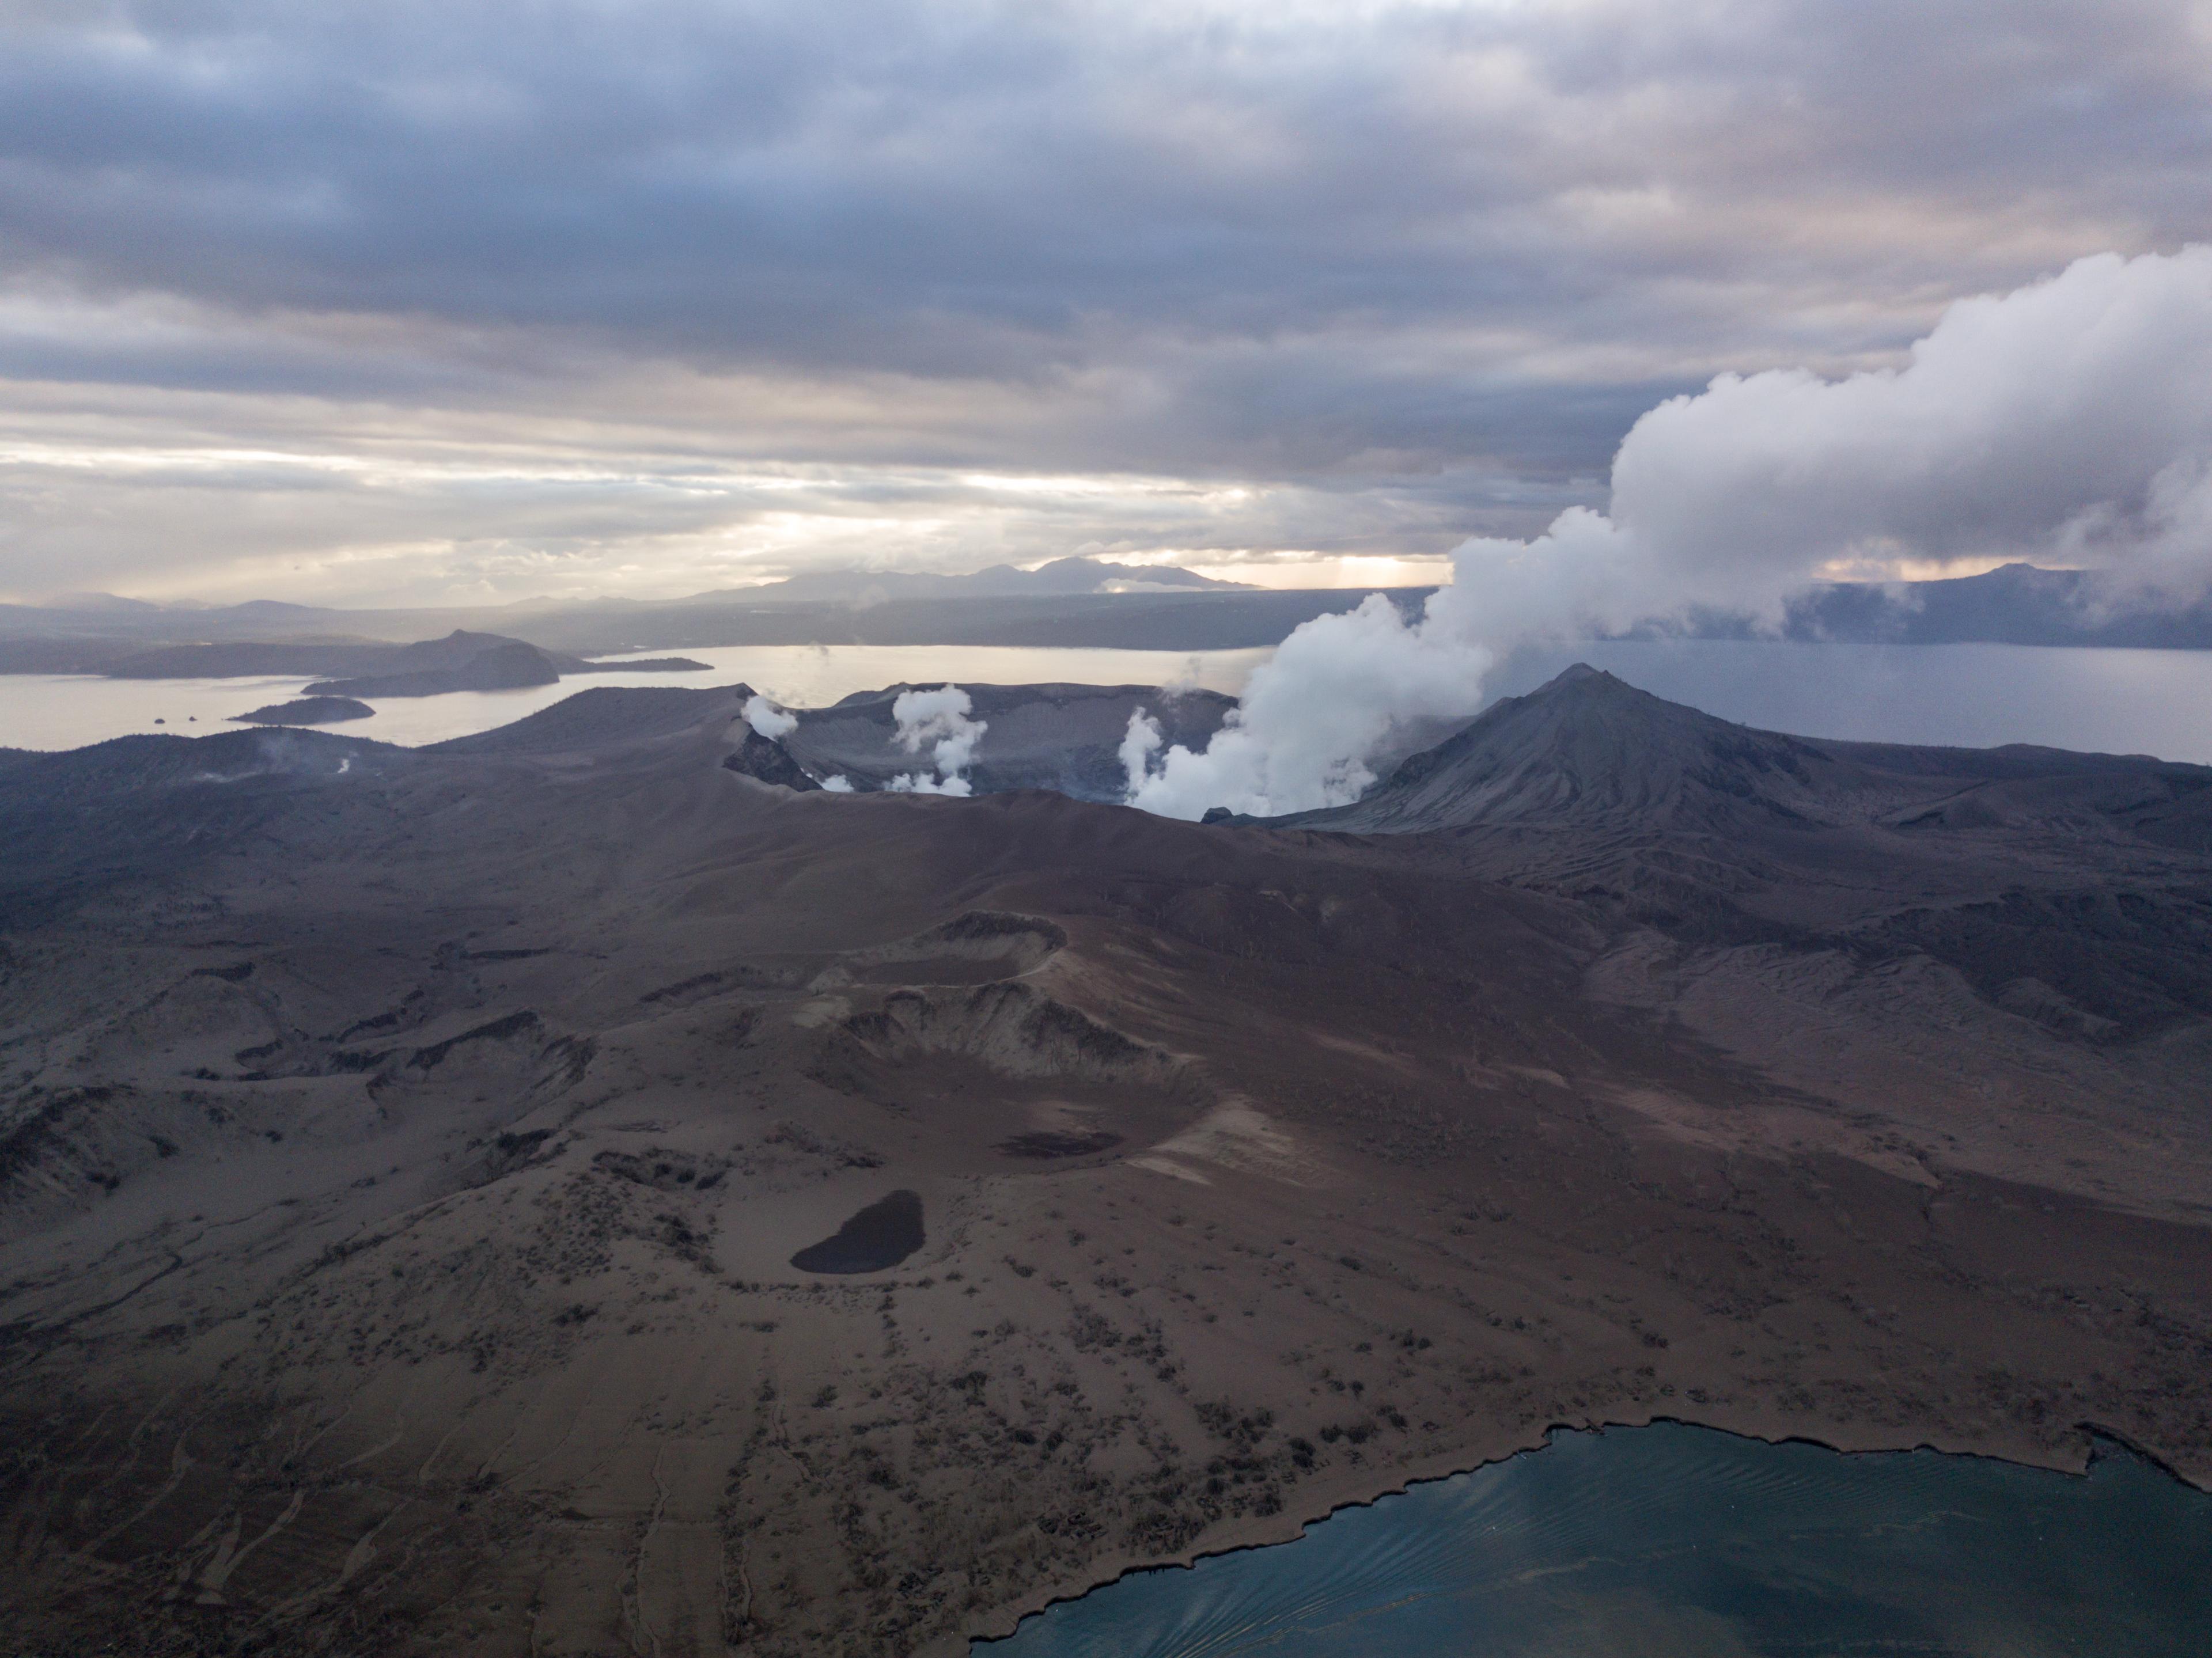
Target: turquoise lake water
1671, 1541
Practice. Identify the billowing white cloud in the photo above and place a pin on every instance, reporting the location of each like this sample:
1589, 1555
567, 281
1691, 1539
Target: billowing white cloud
2067, 420
941, 720
770, 722
1310, 717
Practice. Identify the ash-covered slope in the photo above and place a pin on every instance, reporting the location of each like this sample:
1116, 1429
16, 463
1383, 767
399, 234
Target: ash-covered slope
1590, 751
411, 1160
141, 808
2068, 888
1588, 748
604, 717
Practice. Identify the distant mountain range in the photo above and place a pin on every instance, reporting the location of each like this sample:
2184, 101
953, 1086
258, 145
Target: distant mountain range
460, 661
1061, 577
1070, 602
2013, 604
49, 640
471, 661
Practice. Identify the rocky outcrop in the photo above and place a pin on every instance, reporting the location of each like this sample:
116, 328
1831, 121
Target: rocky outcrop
767, 760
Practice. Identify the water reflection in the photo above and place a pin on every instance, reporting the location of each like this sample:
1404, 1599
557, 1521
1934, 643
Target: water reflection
1672, 1540
67, 711
1967, 695
2116, 701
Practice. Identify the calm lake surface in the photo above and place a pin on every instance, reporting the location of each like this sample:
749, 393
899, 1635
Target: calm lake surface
1977, 695
1679, 1542
1970, 696
66, 711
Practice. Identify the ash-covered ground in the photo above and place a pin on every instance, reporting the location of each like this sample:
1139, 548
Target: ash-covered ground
403, 1155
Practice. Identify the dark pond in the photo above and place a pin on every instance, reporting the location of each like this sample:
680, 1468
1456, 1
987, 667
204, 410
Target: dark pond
882, 1235
1679, 1542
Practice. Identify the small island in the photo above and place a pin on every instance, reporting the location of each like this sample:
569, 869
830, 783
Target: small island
306, 710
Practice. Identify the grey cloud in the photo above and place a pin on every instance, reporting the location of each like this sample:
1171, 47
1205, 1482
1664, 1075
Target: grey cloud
1421, 268
951, 188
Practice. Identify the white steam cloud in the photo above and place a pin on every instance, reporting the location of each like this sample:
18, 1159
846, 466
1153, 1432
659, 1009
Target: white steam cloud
770, 722
2066, 423
939, 718
1312, 715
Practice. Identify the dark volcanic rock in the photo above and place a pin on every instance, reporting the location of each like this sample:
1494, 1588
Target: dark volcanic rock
307, 711
765, 758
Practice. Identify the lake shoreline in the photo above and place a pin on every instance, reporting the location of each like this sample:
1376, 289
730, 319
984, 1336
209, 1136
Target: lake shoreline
1243, 1537
2079, 698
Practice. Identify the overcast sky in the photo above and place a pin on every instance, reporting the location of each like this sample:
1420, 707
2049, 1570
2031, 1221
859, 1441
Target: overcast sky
450, 302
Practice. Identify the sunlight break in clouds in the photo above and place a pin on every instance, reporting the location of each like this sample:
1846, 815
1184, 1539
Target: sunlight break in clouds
381, 305
2067, 420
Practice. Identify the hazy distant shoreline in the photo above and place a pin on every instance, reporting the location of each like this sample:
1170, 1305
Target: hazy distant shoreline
2017, 604
1972, 696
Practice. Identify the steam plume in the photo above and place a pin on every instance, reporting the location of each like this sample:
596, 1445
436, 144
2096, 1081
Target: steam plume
2066, 423
941, 718
1312, 715
770, 722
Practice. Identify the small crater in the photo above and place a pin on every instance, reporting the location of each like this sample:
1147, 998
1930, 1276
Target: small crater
978, 948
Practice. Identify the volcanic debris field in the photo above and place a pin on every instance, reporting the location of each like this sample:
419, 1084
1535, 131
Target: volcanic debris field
472, 1200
